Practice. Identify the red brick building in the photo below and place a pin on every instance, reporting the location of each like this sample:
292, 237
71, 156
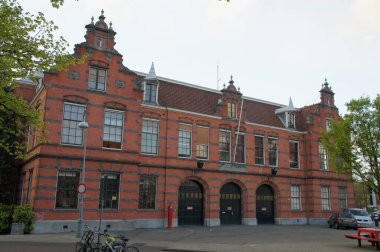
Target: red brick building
216, 157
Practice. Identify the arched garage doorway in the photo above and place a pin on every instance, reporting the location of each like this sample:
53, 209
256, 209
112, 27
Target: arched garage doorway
265, 205
230, 204
190, 203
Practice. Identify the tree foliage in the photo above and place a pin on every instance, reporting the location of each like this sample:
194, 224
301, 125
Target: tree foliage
353, 143
27, 43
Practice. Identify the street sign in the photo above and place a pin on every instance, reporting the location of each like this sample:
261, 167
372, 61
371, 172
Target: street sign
81, 188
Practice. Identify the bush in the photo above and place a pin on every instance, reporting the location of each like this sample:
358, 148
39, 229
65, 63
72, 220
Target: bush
24, 214
5, 213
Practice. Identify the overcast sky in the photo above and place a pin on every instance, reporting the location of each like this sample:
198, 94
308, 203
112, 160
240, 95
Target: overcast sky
273, 48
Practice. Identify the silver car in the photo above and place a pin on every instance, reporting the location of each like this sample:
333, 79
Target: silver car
362, 217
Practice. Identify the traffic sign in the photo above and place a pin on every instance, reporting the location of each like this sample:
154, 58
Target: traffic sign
81, 188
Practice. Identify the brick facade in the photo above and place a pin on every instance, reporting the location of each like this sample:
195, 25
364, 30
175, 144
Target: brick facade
177, 104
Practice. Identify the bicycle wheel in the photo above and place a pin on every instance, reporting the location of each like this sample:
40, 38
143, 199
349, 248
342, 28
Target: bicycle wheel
131, 249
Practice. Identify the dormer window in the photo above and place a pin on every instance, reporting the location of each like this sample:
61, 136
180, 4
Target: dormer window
287, 115
291, 120
150, 94
97, 79
231, 110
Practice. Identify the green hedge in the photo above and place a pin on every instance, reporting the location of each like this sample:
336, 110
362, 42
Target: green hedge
24, 214
5, 213
21, 214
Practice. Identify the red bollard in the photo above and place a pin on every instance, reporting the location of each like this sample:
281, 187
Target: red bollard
170, 216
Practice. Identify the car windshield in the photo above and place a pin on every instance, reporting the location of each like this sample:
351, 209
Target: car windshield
359, 212
347, 215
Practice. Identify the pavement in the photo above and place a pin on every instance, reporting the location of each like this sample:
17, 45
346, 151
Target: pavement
223, 238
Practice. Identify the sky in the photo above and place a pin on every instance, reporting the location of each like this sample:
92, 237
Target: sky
274, 49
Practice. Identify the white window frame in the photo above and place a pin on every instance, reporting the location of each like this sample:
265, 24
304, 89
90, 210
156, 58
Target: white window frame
229, 159
208, 144
122, 128
328, 123
324, 199
233, 112
288, 117
298, 153
322, 151
96, 84
145, 95
158, 137
63, 116
263, 138
191, 141
276, 139
295, 201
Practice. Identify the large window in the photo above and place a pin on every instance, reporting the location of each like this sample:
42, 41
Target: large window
149, 141
109, 190
240, 149
73, 114
97, 79
259, 150
272, 151
67, 196
231, 110
295, 197
291, 120
202, 142
147, 194
328, 124
323, 158
325, 198
150, 93
184, 140
224, 145
342, 197
113, 129
293, 154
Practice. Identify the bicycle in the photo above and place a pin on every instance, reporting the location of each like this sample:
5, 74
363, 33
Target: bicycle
105, 242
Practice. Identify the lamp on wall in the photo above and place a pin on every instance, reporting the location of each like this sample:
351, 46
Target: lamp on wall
200, 164
274, 171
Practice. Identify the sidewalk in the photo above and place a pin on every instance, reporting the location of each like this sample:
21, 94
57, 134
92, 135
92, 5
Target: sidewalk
224, 238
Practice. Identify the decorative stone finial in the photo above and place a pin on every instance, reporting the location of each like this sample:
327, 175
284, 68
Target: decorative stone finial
224, 85
110, 25
239, 89
92, 20
102, 12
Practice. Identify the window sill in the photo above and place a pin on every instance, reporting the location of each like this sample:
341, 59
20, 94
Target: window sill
146, 210
115, 149
149, 154
65, 210
96, 90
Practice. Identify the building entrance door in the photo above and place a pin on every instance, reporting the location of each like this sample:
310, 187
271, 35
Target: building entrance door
265, 205
190, 203
230, 204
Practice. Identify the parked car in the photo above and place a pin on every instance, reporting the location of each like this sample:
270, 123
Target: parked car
362, 217
342, 219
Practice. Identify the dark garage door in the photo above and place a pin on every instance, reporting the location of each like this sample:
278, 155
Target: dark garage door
190, 204
230, 204
265, 205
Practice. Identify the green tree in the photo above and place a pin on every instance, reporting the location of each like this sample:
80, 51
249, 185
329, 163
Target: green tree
353, 143
26, 44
